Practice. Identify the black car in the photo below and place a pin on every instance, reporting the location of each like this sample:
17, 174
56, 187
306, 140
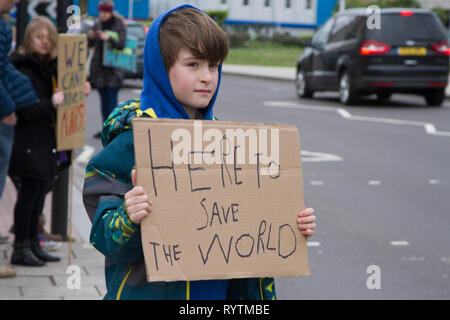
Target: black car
409, 53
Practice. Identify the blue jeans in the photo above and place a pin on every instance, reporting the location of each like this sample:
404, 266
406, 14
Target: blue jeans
108, 98
6, 143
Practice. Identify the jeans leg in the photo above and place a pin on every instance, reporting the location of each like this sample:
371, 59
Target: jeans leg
6, 143
104, 102
112, 93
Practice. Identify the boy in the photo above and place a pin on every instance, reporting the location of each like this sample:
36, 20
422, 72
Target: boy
182, 71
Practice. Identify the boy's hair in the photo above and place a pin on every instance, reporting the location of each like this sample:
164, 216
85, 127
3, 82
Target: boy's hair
194, 30
35, 25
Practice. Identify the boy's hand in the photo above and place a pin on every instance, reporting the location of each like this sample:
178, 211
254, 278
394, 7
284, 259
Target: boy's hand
306, 222
137, 202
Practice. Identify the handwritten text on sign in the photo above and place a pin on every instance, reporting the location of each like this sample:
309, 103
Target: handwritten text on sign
72, 53
221, 217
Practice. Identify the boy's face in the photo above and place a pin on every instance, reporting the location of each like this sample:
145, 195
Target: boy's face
194, 81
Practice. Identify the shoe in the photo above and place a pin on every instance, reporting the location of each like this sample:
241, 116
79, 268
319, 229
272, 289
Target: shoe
7, 272
97, 135
41, 254
47, 244
22, 255
3, 239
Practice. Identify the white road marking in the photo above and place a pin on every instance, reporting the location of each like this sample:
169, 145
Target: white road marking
313, 244
85, 155
400, 243
317, 183
433, 181
428, 127
309, 156
374, 183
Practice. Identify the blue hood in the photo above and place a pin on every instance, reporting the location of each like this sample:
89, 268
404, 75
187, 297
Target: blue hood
157, 92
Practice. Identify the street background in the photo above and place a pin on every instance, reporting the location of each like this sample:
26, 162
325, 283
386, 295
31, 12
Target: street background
376, 174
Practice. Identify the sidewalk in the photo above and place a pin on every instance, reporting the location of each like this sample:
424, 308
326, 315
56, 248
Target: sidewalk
50, 282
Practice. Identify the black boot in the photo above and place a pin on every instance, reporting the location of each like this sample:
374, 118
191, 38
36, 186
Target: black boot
22, 255
41, 254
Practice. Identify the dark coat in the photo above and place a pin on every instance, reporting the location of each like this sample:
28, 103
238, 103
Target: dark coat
100, 76
15, 89
34, 150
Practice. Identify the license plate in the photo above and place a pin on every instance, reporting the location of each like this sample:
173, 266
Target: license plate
412, 51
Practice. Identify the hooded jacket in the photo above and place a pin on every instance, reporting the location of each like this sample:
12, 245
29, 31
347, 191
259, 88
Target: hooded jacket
16, 90
108, 178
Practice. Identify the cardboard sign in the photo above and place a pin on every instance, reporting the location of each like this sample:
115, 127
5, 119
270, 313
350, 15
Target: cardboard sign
225, 199
121, 59
71, 115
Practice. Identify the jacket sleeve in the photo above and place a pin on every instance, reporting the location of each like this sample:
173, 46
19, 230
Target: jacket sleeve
119, 43
108, 178
7, 105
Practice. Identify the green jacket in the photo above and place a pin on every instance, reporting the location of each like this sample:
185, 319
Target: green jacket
108, 178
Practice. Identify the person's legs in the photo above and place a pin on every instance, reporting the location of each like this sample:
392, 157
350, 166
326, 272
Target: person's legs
41, 190
112, 99
103, 92
24, 221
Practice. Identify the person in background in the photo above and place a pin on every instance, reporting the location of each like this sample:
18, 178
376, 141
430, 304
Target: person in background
109, 28
16, 91
34, 158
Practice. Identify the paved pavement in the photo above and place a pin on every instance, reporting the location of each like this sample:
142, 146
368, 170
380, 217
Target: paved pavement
59, 280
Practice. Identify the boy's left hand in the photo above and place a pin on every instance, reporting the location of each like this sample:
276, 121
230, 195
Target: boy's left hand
306, 222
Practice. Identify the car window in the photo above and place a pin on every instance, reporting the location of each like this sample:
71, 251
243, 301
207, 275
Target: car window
399, 29
136, 31
346, 27
321, 37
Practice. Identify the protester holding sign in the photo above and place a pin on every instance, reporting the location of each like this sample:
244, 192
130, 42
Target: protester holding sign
183, 56
107, 80
34, 157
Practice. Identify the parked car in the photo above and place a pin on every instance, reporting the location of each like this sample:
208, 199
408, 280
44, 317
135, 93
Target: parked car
134, 29
408, 54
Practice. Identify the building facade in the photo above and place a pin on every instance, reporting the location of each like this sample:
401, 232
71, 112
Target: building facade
298, 16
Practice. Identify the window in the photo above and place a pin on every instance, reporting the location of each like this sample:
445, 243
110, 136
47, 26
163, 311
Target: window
288, 4
321, 37
266, 3
308, 4
245, 2
223, 1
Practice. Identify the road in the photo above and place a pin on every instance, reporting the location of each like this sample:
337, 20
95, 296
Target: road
377, 176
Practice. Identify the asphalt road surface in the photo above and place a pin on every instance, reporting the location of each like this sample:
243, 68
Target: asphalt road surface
377, 176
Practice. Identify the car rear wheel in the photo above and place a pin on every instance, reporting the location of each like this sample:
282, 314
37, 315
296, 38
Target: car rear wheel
435, 98
302, 86
348, 95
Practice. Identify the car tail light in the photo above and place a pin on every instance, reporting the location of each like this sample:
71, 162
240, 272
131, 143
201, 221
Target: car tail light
374, 47
406, 13
441, 48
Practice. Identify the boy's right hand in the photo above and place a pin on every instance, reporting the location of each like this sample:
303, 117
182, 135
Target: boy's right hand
137, 202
